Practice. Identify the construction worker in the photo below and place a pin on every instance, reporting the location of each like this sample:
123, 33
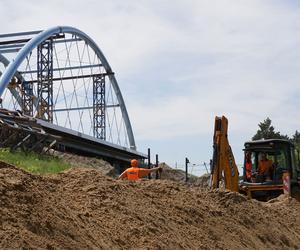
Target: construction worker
265, 167
248, 166
134, 172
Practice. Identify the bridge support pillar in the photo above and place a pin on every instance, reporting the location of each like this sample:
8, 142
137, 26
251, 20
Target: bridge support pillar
27, 98
45, 80
99, 107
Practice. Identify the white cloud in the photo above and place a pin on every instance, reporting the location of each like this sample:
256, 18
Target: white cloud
180, 63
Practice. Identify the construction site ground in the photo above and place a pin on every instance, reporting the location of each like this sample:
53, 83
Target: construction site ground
84, 208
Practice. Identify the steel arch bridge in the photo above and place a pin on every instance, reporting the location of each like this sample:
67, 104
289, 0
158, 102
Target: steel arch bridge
61, 76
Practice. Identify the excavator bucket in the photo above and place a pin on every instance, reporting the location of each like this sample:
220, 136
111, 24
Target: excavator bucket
223, 163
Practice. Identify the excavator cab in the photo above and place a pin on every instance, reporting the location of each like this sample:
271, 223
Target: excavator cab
265, 163
280, 154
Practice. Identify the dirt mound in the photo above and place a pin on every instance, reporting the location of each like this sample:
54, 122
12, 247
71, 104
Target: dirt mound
172, 174
87, 162
84, 209
178, 175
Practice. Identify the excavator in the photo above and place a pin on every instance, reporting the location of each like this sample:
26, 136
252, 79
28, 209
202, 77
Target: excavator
283, 176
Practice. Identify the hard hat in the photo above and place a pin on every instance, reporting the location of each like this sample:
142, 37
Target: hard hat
134, 163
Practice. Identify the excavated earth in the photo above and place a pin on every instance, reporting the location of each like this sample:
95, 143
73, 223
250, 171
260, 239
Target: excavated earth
84, 209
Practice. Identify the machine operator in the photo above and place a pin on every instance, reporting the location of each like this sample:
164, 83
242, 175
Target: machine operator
265, 167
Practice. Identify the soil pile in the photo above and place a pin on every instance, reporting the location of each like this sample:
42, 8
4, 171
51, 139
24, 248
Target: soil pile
179, 175
84, 209
86, 162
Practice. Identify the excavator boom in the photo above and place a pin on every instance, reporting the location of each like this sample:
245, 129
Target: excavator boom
223, 164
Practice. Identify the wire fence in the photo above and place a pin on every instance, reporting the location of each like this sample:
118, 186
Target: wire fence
199, 169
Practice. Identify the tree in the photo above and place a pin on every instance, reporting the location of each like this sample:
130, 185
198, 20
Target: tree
296, 139
267, 131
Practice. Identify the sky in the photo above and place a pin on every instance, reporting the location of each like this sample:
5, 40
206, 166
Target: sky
181, 63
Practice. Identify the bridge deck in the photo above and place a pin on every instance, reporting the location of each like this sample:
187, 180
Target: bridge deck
17, 130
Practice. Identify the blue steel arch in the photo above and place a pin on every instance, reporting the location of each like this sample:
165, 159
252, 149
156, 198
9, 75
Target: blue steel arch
6, 62
12, 67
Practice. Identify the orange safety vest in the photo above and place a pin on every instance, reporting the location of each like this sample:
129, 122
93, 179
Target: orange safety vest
248, 170
132, 174
264, 166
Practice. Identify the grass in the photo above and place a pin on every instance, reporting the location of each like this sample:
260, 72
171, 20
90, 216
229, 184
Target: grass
33, 162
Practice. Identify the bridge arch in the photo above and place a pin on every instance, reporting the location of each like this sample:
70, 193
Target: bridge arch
11, 69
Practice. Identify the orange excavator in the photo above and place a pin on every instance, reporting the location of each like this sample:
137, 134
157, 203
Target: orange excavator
283, 174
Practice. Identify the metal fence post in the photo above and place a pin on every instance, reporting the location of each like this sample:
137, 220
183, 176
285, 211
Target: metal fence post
157, 176
149, 162
186, 168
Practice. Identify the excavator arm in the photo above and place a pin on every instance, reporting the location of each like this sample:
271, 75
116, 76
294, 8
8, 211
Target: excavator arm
223, 163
